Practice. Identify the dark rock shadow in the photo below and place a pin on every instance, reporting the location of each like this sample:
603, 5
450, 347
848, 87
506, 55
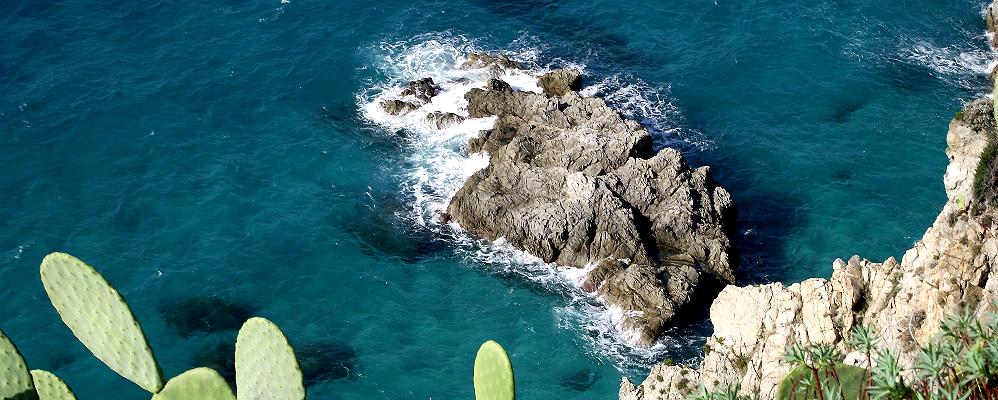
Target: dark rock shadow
345, 119
320, 362
766, 221
204, 315
580, 381
540, 16
384, 232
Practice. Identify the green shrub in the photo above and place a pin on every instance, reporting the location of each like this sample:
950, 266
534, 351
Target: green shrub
845, 379
961, 364
986, 177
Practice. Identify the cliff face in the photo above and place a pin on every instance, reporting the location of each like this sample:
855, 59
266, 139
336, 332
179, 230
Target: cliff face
950, 268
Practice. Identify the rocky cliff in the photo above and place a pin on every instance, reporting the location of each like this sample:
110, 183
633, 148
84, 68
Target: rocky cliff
951, 268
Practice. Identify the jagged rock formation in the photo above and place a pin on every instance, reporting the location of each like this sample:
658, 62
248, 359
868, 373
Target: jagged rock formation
950, 268
414, 95
574, 182
560, 82
991, 21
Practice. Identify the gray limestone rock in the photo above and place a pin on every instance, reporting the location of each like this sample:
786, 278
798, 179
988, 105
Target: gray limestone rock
560, 82
574, 182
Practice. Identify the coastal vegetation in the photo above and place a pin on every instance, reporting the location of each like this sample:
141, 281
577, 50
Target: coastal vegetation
961, 364
265, 364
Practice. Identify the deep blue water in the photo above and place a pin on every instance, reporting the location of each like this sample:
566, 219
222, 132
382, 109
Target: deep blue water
216, 148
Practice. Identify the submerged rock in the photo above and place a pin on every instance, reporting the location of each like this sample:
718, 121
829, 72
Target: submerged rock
580, 381
325, 361
382, 233
221, 357
320, 361
200, 315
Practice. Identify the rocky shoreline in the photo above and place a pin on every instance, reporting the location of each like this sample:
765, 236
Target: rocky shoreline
575, 183
950, 269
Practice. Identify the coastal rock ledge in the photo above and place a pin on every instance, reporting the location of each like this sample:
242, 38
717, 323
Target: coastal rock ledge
950, 269
574, 182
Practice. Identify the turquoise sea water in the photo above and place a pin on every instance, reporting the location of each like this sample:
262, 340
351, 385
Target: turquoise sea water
218, 149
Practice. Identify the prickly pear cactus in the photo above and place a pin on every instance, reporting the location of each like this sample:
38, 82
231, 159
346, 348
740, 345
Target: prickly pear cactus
196, 384
493, 373
100, 318
51, 387
15, 380
851, 380
266, 366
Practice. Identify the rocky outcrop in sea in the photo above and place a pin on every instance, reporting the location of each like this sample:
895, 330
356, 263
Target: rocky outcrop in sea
950, 269
573, 182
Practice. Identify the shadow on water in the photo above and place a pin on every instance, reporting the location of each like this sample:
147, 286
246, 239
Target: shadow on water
843, 111
321, 361
907, 77
203, 315
581, 380
766, 222
542, 19
345, 119
384, 232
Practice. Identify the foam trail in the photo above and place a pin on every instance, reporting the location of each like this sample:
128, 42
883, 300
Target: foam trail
439, 167
963, 66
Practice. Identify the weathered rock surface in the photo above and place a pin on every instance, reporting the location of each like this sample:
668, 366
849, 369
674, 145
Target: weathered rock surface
991, 21
398, 107
422, 89
950, 268
414, 95
442, 120
574, 182
490, 61
560, 82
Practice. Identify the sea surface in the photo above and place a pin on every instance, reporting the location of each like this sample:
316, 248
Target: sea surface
220, 159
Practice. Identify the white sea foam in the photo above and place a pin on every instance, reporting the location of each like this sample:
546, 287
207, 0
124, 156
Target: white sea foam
439, 166
960, 64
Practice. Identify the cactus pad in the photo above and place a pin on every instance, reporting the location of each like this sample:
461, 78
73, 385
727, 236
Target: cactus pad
51, 387
100, 318
851, 380
493, 373
15, 380
196, 384
266, 366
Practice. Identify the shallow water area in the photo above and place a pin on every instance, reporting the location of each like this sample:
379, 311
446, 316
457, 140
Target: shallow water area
226, 153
